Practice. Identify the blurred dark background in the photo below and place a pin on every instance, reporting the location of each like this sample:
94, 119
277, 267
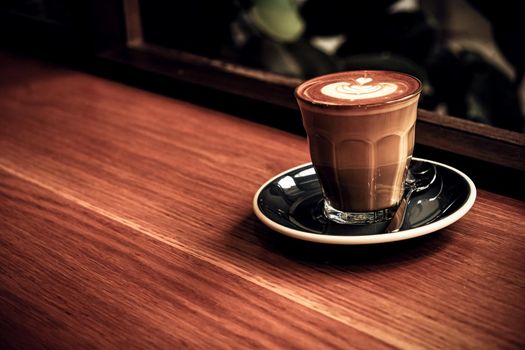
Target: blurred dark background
469, 54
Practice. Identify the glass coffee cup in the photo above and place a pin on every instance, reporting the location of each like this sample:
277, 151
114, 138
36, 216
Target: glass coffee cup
360, 127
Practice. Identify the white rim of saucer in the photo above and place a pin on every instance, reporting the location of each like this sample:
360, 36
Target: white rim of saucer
367, 239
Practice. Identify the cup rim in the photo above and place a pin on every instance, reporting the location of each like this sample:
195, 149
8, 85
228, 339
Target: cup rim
359, 105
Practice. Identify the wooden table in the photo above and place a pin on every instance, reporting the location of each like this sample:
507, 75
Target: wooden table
126, 222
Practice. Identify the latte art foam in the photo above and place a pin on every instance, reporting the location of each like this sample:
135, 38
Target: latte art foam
356, 91
359, 88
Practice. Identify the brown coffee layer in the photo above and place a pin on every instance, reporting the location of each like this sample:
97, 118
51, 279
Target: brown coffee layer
361, 160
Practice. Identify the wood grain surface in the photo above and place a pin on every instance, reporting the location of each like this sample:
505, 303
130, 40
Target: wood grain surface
126, 221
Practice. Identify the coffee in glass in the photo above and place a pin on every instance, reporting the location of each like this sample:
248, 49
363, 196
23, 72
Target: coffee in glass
360, 127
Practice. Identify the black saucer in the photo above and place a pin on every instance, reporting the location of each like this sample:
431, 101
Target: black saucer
291, 203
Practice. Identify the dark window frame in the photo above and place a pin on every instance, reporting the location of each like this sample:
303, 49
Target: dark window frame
105, 36
445, 133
